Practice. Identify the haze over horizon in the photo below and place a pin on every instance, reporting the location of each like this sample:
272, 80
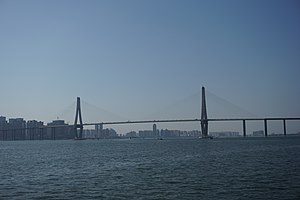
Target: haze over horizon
135, 58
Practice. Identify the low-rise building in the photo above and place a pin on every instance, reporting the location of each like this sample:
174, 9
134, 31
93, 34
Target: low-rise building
16, 127
258, 133
58, 129
224, 134
3, 127
131, 134
34, 130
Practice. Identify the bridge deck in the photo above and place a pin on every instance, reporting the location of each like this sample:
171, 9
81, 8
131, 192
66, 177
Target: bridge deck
163, 121
191, 120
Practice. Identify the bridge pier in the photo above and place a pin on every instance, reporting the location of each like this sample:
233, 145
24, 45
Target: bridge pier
284, 127
266, 127
244, 128
99, 130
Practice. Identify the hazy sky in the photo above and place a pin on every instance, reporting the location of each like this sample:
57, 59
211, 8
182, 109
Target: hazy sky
134, 58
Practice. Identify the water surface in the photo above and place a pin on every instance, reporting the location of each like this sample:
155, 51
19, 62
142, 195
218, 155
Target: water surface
241, 168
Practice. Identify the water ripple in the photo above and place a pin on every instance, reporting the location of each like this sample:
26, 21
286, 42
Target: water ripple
149, 169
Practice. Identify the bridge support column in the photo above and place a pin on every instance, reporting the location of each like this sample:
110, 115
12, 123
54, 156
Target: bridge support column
101, 134
244, 128
284, 127
266, 127
97, 131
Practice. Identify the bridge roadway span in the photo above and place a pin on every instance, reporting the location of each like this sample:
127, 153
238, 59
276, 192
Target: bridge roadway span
284, 119
191, 120
167, 121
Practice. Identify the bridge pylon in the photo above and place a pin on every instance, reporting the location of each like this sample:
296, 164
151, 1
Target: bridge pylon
204, 121
76, 125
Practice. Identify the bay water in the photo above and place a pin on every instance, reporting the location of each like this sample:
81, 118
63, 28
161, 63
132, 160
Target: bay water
229, 168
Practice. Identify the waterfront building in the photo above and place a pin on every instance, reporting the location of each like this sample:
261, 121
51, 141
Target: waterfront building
146, 134
34, 124
3, 127
3, 123
99, 131
110, 133
16, 128
166, 133
224, 134
155, 131
33, 130
131, 134
61, 131
193, 133
259, 133
170, 133
57, 122
89, 133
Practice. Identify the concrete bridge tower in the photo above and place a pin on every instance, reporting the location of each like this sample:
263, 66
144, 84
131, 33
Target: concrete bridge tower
76, 125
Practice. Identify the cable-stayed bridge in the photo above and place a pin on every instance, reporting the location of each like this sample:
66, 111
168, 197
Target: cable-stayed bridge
76, 130
204, 120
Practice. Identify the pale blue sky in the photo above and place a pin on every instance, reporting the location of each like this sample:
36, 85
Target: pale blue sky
134, 58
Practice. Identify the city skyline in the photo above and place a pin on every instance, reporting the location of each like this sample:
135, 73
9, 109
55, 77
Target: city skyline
134, 58
19, 129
